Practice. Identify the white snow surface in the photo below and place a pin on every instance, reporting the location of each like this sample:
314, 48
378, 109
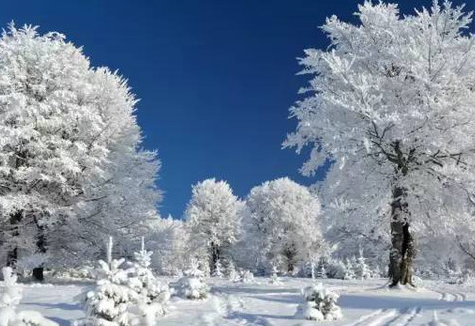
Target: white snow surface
363, 303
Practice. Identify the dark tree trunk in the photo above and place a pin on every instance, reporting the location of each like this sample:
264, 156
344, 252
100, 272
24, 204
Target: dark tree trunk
402, 251
38, 272
215, 256
12, 255
290, 252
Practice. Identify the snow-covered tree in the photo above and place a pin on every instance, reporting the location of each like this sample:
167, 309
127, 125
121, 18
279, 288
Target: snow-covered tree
212, 216
218, 269
231, 272
349, 270
362, 270
168, 239
281, 225
71, 167
10, 297
192, 285
391, 104
154, 295
110, 301
319, 304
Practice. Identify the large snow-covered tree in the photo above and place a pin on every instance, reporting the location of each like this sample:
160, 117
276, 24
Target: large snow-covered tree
212, 217
391, 103
281, 225
71, 168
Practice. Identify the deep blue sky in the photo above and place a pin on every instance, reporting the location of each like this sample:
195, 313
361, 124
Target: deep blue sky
215, 78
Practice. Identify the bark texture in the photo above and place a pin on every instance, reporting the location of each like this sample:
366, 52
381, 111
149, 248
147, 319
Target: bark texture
402, 251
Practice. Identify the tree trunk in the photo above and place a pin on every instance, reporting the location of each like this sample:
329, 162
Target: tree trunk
402, 251
41, 248
12, 255
214, 257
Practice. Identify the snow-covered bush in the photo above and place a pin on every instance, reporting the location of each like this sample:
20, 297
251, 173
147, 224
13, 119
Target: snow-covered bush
108, 303
362, 270
153, 294
247, 276
349, 270
275, 279
322, 272
10, 297
231, 272
218, 269
190, 287
336, 269
318, 304
194, 269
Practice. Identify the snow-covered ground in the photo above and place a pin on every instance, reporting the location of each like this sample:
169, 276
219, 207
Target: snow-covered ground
364, 303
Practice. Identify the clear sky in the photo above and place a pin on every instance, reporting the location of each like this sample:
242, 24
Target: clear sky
215, 78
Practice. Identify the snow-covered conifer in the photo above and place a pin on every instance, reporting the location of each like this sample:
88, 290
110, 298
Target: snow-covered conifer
362, 271
153, 294
109, 303
231, 272
349, 270
218, 269
274, 278
192, 285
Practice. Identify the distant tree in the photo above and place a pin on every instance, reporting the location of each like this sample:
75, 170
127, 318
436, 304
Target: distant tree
212, 218
282, 224
169, 240
391, 104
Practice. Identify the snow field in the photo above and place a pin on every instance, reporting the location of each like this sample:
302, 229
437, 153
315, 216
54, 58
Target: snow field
363, 303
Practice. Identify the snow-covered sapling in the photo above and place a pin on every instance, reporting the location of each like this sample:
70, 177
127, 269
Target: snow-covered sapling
231, 272
274, 279
109, 302
153, 294
318, 304
247, 276
362, 270
192, 286
218, 269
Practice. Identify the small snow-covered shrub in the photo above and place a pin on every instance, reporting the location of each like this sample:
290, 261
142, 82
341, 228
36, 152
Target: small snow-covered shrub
274, 279
109, 302
361, 269
247, 276
190, 287
231, 272
218, 269
10, 298
349, 270
318, 304
336, 269
153, 294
